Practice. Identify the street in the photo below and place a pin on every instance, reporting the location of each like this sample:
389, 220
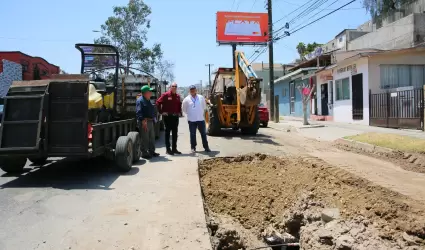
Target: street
158, 204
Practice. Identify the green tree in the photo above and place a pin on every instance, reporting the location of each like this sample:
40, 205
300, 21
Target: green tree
301, 48
304, 49
127, 30
381, 8
165, 70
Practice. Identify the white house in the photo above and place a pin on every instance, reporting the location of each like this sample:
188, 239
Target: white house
374, 87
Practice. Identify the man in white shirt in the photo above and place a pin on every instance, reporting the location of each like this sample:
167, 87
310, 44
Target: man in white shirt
194, 107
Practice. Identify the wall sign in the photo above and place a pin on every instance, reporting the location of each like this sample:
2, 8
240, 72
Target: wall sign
352, 68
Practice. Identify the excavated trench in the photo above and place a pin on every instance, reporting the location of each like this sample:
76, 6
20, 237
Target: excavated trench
258, 201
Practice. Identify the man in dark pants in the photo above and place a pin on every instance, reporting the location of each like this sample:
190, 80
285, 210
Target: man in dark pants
194, 107
169, 106
145, 121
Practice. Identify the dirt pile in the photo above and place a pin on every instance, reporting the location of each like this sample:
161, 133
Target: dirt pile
322, 206
410, 161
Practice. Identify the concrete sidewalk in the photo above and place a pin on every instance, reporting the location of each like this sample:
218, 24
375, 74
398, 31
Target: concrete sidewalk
329, 131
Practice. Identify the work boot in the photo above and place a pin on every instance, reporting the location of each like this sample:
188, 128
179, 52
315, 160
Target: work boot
169, 152
147, 156
175, 151
154, 154
207, 150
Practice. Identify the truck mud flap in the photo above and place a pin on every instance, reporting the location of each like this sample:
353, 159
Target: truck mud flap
68, 118
21, 124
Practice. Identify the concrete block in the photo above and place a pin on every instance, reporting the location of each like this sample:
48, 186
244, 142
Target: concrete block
330, 214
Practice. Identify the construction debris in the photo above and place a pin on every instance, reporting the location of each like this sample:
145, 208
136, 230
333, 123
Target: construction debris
304, 200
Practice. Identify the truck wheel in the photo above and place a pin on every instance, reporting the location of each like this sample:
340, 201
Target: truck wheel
13, 164
135, 138
253, 129
39, 161
124, 154
212, 121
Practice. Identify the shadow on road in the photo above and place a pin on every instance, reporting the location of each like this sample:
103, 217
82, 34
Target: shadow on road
259, 138
71, 174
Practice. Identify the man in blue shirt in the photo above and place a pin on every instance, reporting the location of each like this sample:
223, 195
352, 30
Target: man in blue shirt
145, 114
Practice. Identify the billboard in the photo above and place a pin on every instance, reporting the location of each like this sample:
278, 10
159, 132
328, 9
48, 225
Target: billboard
98, 61
242, 28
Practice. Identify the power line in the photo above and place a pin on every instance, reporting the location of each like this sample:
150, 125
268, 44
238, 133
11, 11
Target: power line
310, 23
233, 4
308, 10
293, 11
360, 8
296, 30
318, 13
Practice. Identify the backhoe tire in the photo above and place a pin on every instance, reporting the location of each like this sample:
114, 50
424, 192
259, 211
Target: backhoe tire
39, 161
135, 138
13, 164
214, 127
253, 129
124, 154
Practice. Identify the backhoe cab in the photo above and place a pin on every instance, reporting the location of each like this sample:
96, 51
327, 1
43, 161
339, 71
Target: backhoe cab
234, 98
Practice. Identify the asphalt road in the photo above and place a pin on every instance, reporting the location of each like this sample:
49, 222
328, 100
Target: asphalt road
158, 204
87, 205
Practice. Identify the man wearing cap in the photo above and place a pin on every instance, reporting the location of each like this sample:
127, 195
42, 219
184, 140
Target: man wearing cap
194, 107
145, 114
169, 106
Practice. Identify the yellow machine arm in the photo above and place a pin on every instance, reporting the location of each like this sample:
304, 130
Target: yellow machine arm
247, 84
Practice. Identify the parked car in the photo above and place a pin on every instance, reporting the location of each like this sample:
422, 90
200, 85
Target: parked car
263, 111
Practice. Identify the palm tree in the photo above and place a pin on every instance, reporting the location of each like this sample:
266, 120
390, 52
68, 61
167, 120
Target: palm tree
301, 48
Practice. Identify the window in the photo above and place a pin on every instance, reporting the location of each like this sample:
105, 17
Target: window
394, 76
342, 89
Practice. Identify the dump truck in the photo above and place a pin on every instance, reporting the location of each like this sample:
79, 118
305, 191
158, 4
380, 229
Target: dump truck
70, 116
234, 98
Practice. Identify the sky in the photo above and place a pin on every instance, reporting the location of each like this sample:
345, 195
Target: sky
186, 30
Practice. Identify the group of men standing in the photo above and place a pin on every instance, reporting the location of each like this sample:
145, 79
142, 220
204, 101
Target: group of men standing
170, 106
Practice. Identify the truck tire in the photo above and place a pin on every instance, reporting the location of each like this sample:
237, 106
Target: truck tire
13, 164
135, 138
253, 129
124, 154
214, 127
39, 161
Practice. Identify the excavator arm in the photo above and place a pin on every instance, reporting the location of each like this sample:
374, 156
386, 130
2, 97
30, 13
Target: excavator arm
247, 83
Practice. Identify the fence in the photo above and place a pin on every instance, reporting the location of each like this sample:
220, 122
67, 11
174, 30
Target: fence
397, 109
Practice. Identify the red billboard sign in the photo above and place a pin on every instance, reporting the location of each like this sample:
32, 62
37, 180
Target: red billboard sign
242, 27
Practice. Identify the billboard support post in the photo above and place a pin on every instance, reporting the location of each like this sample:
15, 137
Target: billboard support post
271, 63
233, 55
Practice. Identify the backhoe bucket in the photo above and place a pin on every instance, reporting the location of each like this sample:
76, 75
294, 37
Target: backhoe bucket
249, 96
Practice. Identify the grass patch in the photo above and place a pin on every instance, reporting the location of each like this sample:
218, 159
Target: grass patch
393, 141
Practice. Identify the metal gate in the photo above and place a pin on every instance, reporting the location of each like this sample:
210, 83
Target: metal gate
400, 108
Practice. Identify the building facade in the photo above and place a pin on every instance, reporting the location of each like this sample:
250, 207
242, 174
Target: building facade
30, 64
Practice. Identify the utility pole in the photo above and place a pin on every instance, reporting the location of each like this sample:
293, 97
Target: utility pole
209, 73
271, 63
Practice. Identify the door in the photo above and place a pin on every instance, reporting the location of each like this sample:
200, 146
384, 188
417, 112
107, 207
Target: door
324, 100
357, 100
292, 97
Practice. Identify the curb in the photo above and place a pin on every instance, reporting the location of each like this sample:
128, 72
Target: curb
364, 146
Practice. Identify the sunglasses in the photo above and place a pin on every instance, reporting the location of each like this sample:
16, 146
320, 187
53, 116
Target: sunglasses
173, 86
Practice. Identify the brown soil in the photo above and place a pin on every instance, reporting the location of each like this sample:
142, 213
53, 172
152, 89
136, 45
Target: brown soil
266, 194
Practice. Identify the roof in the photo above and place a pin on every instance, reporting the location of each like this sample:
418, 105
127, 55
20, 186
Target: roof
326, 68
343, 32
381, 52
35, 57
296, 72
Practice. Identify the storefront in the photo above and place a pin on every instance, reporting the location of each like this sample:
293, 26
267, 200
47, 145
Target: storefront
324, 90
351, 91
